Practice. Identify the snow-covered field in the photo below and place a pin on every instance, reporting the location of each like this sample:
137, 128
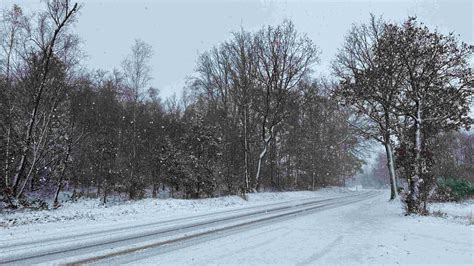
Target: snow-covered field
371, 231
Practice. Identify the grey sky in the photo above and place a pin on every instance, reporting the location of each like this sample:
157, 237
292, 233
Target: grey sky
180, 30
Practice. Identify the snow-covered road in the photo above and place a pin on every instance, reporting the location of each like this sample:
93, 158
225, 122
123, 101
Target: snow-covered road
350, 227
372, 231
82, 247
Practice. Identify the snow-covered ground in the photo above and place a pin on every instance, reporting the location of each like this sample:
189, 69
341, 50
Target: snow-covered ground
372, 231
92, 210
454, 210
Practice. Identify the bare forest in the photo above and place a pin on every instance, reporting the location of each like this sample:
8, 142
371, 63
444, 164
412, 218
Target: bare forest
254, 115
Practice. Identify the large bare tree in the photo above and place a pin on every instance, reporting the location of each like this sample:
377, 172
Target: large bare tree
370, 84
44, 48
285, 57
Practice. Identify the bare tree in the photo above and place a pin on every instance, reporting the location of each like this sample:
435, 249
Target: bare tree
370, 82
284, 59
137, 71
58, 16
227, 80
243, 72
13, 25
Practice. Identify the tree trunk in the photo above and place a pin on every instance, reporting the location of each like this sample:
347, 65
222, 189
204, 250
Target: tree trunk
413, 201
7, 155
261, 158
74, 192
99, 184
132, 191
246, 152
61, 176
156, 187
295, 184
104, 199
8, 87
259, 166
390, 157
391, 169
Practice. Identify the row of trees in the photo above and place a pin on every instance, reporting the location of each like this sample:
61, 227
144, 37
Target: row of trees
253, 117
410, 85
258, 90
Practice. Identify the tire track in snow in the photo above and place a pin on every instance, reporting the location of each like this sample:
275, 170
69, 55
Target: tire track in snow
73, 237
281, 212
178, 243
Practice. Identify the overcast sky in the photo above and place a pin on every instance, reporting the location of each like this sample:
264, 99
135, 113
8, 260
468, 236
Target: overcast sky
180, 30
